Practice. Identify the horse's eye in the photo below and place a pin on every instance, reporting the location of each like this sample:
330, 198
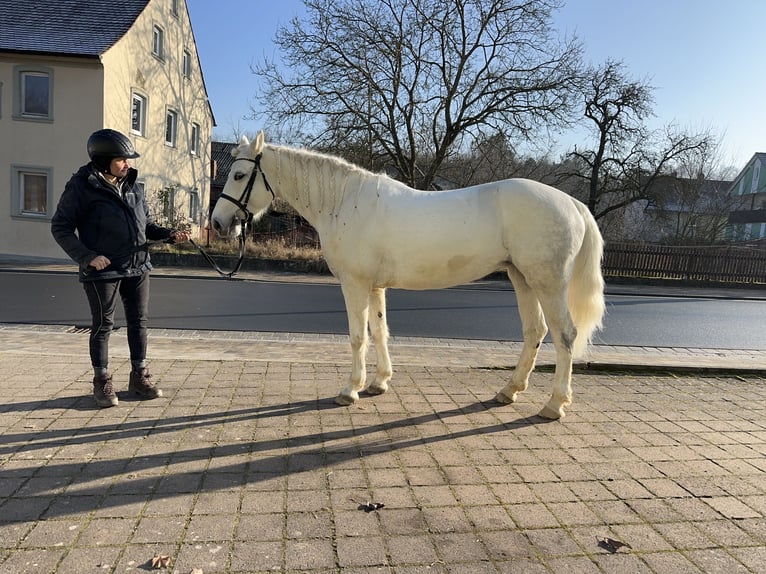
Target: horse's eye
238, 176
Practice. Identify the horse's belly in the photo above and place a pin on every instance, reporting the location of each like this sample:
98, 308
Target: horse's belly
438, 273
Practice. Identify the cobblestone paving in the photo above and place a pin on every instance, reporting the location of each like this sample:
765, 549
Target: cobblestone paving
247, 466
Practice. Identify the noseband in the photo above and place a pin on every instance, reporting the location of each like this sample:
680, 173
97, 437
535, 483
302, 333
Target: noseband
244, 199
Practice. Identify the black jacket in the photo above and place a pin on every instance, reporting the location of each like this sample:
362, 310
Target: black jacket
116, 224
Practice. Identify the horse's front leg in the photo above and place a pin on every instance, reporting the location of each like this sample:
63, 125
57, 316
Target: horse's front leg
357, 306
379, 329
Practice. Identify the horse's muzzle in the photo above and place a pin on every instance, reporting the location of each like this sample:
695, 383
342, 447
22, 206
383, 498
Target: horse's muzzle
219, 228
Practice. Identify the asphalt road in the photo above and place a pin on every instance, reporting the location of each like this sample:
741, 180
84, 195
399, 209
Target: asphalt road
462, 313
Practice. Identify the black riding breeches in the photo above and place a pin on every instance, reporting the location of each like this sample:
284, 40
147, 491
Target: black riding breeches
102, 298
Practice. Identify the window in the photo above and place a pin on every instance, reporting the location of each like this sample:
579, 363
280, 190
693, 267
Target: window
171, 128
31, 193
33, 97
168, 203
187, 64
138, 115
194, 143
756, 176
158, 45
194, 205
174, 8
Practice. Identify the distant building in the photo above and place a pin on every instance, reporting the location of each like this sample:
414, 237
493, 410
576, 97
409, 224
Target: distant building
70, 67
221, 161
689, 211
748, 221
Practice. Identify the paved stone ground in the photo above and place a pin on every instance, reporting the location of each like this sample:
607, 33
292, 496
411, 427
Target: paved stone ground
247, 466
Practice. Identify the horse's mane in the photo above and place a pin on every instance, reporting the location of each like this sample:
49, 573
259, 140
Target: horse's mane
333, 179
313, 156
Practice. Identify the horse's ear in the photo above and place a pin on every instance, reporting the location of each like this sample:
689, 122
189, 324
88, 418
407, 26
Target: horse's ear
257, 146
243, 141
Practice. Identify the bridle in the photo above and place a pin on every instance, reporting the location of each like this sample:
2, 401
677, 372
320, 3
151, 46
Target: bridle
247, 215
244, 199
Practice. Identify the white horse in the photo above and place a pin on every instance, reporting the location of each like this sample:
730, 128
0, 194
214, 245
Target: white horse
377, 233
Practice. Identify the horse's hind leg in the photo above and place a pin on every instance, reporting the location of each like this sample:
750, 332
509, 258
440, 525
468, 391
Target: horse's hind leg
357, 306
563, 334
379, 329
533, 324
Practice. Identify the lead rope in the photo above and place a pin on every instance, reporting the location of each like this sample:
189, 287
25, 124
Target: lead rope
214, 265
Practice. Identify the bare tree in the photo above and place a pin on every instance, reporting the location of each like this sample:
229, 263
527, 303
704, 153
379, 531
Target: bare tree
628, 159
494, 158
403, 82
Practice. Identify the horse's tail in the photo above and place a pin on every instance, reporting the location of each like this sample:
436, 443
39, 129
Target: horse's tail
586, 290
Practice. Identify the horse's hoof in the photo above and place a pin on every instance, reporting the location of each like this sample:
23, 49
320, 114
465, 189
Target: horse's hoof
549, 413
345, 400
504, 399
377, 389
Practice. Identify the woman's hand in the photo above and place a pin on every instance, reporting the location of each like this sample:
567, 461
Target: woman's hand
180, 236
99, 262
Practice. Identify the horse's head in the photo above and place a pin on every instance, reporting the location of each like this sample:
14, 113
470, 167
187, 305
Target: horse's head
245, 195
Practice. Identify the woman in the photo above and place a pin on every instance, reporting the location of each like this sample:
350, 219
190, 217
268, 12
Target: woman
103, 223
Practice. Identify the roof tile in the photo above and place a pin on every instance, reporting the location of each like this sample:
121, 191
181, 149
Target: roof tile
66, 27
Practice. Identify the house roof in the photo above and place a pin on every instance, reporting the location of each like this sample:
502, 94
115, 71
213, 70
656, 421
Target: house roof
220, 152
81, 28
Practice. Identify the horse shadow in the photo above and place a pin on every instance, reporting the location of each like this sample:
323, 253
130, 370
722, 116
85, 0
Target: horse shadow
316, 450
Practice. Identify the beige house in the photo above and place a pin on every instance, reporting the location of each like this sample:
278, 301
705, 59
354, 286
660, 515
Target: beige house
70, 67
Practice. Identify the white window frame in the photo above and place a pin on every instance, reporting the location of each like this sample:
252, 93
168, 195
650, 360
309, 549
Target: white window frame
143, 105
18, 191
21, 112
158, 42
194, 142
187, 64
171, 127
194, 205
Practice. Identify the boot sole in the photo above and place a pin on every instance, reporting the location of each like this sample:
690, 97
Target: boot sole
105, 404
145, 396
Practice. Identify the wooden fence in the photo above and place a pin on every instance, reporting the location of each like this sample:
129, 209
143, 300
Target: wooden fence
725, 264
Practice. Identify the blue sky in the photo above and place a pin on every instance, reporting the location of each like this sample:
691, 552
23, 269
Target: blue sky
703, 57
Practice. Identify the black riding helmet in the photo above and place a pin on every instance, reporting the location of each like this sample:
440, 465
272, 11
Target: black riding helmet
105, 145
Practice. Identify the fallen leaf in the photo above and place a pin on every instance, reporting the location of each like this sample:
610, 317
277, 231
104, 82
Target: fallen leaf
370, 506
611, 545
160, 561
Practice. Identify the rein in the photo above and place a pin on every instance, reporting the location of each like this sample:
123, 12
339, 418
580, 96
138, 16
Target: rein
247, 216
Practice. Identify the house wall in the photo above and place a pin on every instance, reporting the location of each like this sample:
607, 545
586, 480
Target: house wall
89, 94
57, 146
131, 67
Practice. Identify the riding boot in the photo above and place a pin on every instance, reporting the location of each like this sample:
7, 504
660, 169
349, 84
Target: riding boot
103, 391
141, 385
